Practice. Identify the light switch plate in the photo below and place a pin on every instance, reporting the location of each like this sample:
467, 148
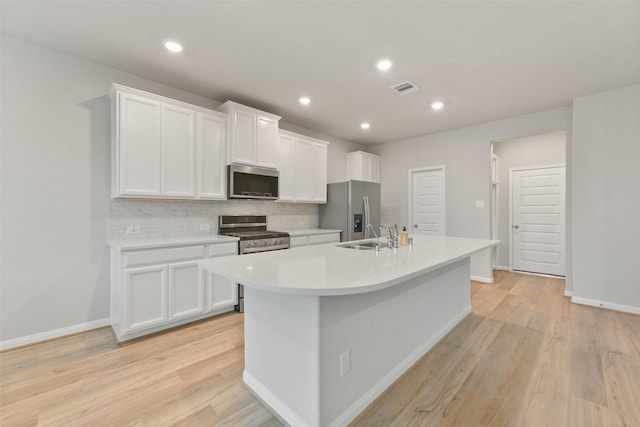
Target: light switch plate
479, 203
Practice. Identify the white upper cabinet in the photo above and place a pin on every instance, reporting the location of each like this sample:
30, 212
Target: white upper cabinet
163, 148
363, 166
267, 136
304, 191
138, 148
242, 135
177, 134
286, 162
210, 146
251, 135
302, 163
319, 190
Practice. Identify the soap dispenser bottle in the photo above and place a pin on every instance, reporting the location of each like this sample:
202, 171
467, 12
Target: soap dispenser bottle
404, 237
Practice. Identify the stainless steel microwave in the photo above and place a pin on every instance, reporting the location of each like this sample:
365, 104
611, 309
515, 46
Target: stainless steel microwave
250, 182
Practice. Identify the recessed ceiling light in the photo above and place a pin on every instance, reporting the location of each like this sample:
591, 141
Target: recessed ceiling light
365, 125
384, 64
173, 46
304, 100
437, 105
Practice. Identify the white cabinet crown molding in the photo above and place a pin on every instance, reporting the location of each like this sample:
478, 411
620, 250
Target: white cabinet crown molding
115, 88
225, 106
301, 136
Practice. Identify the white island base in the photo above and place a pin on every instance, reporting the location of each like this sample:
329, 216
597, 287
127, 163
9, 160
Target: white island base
295, 345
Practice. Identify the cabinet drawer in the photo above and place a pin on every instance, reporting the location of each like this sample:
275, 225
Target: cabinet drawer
324, 238
297, 241
164, 255
222, 249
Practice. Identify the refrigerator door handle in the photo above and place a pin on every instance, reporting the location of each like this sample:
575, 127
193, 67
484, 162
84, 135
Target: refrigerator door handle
365, 200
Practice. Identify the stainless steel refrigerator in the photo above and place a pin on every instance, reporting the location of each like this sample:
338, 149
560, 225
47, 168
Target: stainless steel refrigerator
350, 207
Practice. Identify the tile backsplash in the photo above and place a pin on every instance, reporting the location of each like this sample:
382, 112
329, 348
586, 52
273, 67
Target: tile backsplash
174, 218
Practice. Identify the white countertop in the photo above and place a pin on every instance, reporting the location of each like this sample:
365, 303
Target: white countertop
170, 241
310, 231
331, 270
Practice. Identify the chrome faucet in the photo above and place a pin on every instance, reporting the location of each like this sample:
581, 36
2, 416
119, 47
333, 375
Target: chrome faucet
393, 234
369, 226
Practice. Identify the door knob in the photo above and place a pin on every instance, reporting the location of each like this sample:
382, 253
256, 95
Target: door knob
415, 225
516, 226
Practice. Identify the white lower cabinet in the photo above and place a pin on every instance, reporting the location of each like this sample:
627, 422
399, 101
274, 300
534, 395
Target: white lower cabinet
221, 292
186, 290
297, 241
314, 239
145, 294
318, 239
157, 288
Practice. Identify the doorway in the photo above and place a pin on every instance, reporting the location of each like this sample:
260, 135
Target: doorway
537, 219
534, 151
427, 204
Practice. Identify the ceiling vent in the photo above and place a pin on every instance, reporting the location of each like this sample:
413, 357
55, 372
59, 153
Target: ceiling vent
405, 88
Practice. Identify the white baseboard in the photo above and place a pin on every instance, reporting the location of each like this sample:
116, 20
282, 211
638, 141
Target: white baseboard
568, 293
482, 279
56, 333
385, 382
501, 267
607, 305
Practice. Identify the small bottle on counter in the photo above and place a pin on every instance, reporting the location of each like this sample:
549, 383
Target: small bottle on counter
404, 237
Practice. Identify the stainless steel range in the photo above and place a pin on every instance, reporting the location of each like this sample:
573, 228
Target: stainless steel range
254, 237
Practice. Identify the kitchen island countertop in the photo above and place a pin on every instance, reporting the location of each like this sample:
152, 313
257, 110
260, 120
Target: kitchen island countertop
328, 269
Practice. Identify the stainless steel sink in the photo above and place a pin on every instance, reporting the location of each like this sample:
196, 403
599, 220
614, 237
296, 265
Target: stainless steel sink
366, 246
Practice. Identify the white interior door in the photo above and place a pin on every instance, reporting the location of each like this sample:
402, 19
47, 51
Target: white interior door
538, 219
427, 200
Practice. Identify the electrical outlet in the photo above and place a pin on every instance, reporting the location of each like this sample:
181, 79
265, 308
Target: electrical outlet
479, 203
205, 227
133, 230
345, 362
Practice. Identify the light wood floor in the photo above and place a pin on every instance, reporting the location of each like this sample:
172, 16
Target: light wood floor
525, 357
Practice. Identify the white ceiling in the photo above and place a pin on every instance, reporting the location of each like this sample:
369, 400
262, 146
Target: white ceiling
485, 60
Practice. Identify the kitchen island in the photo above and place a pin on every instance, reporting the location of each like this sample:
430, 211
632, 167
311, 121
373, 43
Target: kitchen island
328, 328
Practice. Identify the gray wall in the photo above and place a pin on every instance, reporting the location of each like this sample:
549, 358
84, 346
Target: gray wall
466, 154
54, 264
520, 152
606, 197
